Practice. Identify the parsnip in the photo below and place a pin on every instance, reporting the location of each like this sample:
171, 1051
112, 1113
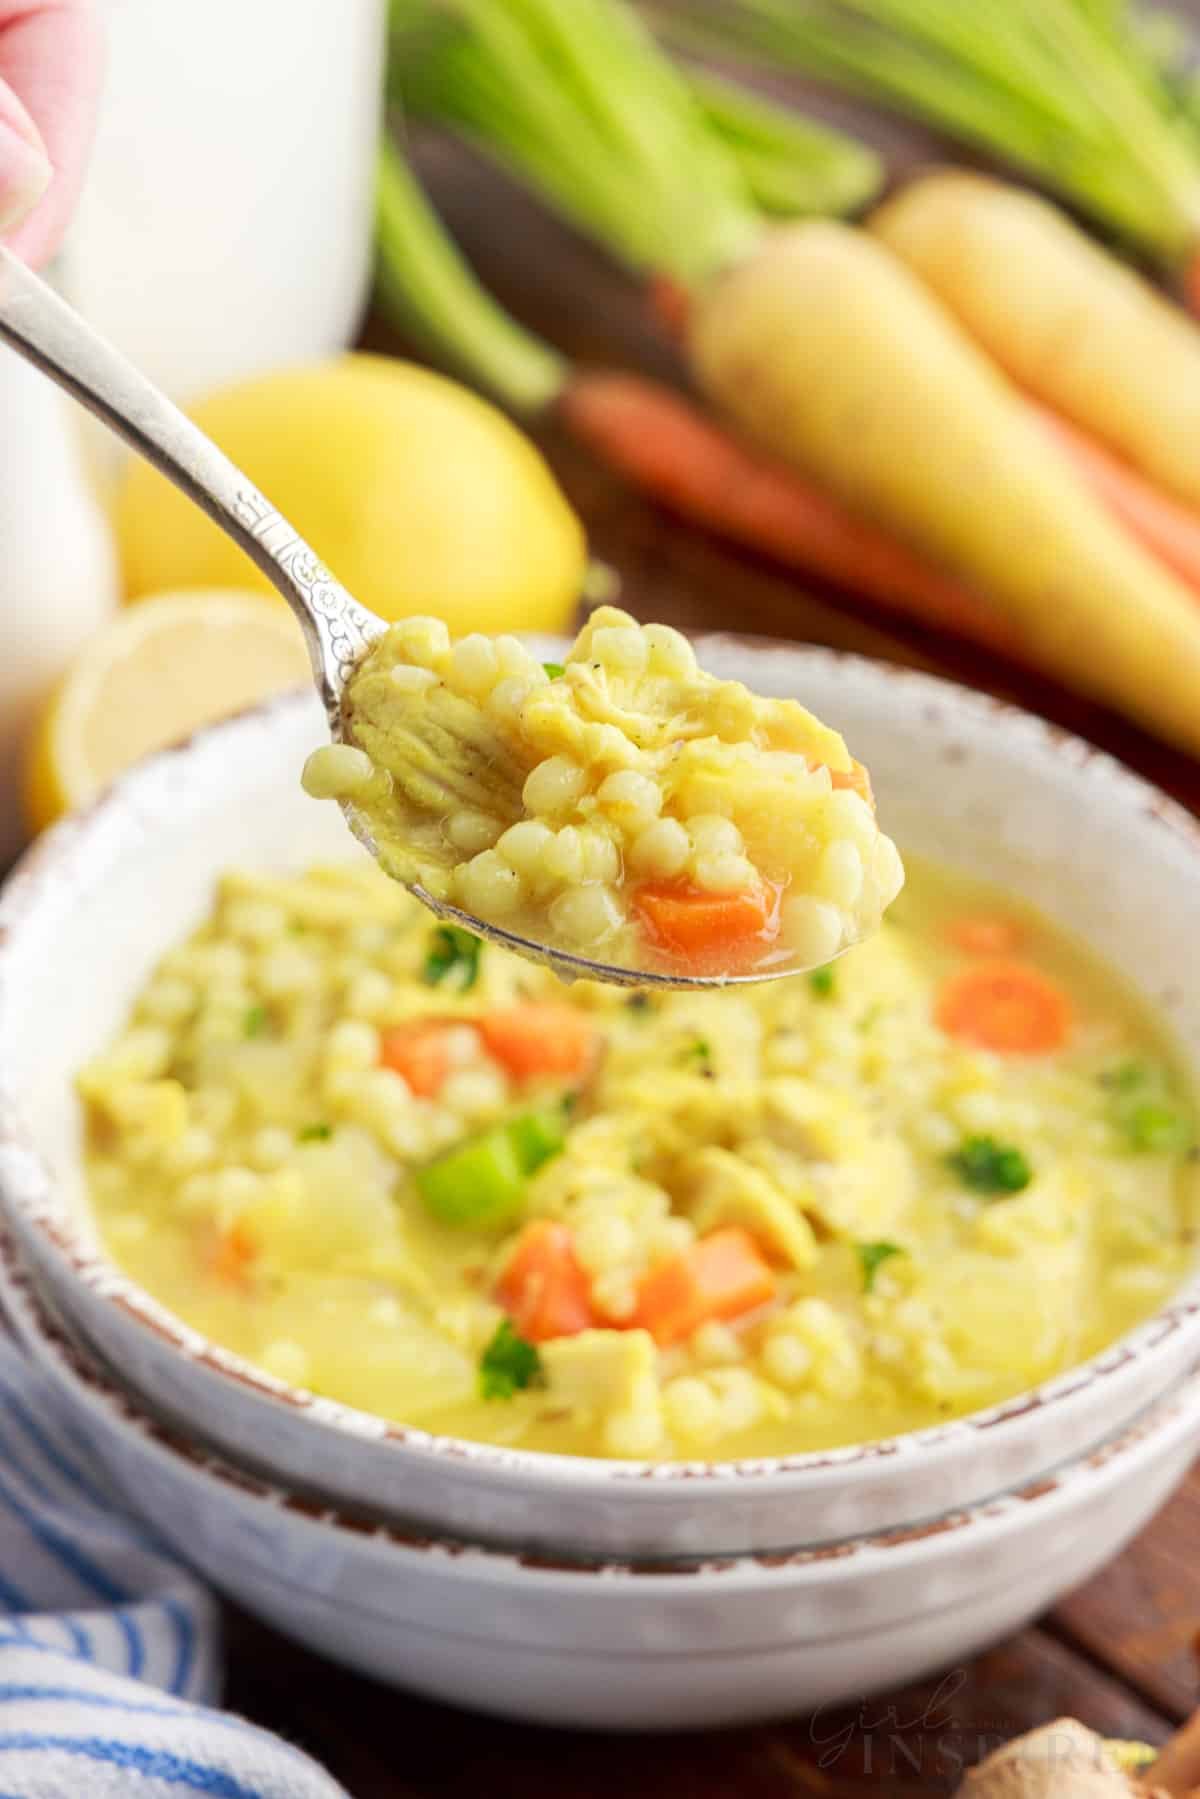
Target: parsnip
829, 351
1067, 321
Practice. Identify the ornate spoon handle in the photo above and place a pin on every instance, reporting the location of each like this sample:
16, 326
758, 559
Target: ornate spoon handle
47, 332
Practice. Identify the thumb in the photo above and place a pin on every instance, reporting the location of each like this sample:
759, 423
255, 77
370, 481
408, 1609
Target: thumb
25, 169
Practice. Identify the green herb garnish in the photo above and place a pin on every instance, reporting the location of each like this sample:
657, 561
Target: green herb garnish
871, 1257
555, 670
508, 1364
1143, 1111
699, 1054
453, 959
1126, 1077
254, 1023
638, 1002
823, 982
315, 1133
990, 1167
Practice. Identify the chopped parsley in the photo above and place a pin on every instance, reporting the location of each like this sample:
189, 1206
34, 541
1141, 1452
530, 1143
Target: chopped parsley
699, 1054
254, 1023
1126, 1077
823, 982
508, 1364
638, 1002
453, 958
990, 1167
555, 670
871, 1257
315, 1133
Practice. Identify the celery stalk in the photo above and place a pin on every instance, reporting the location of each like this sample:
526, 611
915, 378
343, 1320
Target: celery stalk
1068, 89
426, 285
792, 165
576, 97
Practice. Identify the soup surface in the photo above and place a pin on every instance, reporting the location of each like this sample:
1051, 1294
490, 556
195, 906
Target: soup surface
625, 805
412, 1172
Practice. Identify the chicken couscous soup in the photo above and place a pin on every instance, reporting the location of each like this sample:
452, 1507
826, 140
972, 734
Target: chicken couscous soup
407, 1170
623, 805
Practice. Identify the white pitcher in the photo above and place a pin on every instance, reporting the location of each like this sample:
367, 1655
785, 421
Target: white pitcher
226, 223
57, 574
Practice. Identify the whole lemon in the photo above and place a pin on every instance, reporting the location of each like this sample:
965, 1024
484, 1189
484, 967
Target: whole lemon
417, 495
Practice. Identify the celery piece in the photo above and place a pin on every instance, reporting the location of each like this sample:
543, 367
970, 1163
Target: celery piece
1070, 90
480, 1183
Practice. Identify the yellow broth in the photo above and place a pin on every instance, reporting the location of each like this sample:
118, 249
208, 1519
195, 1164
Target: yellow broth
257, 1165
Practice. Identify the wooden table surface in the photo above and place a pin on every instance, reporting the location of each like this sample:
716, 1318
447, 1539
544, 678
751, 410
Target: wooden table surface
1121, 1653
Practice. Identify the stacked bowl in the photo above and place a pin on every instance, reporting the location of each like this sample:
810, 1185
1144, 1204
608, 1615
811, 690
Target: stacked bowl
546, 1587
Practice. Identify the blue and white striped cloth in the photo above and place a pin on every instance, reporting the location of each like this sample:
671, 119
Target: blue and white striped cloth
109, 1648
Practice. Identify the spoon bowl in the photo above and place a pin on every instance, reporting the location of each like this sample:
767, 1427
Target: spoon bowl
337, 629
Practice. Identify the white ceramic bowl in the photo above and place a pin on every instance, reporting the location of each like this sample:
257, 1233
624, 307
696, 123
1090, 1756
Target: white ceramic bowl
959, 777
618, 1646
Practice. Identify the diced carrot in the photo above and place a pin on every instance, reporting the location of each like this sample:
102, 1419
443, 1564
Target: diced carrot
721, 1276
534, 1040
711, 931
857, 779
984, 935
422, 1052
1007, 1006
234, 1254
543, 1289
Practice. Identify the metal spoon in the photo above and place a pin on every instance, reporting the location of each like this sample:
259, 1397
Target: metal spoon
338, 631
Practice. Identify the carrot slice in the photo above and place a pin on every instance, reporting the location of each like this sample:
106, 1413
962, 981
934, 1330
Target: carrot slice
1007, 1006
536, 1040
421, 1052
543, 1289
984, 935
857, 779
711, 930
234, 1253
721, 1276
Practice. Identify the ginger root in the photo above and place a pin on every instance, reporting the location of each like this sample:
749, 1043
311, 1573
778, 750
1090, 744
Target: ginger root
1063, 1760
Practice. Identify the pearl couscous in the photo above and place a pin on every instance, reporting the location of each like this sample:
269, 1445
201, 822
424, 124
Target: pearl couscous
409, 1171
625, 806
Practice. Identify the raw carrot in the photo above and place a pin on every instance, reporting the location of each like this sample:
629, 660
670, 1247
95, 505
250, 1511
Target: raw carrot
1163, 524
670, 304
1004, 1005
543, 1289
701, 927
422, 1052
985, 935
669, 449
1190, 286
534, 1040
721, 1276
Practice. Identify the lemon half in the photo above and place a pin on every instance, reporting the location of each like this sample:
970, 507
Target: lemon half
154, 674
